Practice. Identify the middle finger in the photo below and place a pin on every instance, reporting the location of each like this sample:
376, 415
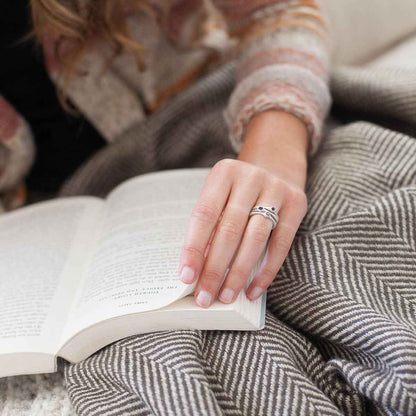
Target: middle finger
254, 241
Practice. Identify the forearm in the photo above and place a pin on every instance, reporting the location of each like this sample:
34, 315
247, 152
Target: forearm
278, 142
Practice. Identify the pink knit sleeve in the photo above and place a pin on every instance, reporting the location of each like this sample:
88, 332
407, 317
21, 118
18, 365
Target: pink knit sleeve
283, 62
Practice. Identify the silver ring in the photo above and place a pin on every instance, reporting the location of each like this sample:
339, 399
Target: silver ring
267, 212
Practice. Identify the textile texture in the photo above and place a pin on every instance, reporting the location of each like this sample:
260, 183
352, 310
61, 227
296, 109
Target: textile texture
340, 329
281, 48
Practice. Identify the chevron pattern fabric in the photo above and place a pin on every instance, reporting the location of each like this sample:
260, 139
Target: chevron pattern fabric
340, 335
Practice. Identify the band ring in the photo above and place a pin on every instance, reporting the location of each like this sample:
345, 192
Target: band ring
266, 212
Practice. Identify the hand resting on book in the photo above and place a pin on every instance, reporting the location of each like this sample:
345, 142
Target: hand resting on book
221, 239
80, 273
220, 231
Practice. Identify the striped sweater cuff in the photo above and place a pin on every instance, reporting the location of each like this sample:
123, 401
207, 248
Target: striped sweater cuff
281, 87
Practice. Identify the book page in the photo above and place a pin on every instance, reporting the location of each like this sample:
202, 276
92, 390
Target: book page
38, 280
136, 261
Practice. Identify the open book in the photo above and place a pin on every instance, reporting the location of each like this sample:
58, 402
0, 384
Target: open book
80, 273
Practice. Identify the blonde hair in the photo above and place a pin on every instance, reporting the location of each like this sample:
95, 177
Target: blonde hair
77, 23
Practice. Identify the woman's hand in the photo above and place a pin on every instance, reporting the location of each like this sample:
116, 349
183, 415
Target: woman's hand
221, 234
220, 231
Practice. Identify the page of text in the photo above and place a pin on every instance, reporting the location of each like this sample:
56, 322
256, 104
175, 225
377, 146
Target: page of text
135, 265
35, 248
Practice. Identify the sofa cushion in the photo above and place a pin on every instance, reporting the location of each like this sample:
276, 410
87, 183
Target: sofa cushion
402, 56
362, 29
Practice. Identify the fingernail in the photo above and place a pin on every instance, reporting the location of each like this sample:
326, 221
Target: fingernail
204, 299
187, 275
255, 293
226, 295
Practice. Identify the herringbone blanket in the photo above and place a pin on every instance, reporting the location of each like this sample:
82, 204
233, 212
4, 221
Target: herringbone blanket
340, 335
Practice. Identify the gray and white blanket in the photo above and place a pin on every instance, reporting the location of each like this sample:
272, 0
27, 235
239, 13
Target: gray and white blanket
340, 335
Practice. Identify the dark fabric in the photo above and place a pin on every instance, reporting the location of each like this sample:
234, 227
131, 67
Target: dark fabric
340, 335
63, 142
188, 132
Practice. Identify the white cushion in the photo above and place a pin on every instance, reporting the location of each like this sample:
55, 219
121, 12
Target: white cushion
363, 29
402, 56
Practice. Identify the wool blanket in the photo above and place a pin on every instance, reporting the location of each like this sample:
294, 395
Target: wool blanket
340, 334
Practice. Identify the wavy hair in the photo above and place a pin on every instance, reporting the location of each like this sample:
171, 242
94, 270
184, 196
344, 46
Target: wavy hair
75, 24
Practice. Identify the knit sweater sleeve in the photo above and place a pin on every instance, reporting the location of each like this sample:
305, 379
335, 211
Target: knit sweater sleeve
283, 62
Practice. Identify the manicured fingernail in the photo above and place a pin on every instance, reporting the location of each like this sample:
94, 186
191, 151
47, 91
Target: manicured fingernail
226, 295
255, 293
204, 299
187, 275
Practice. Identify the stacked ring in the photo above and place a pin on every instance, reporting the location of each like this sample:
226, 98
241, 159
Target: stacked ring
267, 212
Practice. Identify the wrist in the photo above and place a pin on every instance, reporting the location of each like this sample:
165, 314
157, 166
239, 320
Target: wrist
278, 142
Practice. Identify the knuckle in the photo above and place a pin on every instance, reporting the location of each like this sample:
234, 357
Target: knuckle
283, 242
255, 175
297, 198
235, 211
212, 275
269, 274
224, 164
193, 251
275, 182
205, 213
239, 274
230, 230
260, 232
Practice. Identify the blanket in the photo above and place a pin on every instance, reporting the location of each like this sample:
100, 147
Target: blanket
340, 330
340, 334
